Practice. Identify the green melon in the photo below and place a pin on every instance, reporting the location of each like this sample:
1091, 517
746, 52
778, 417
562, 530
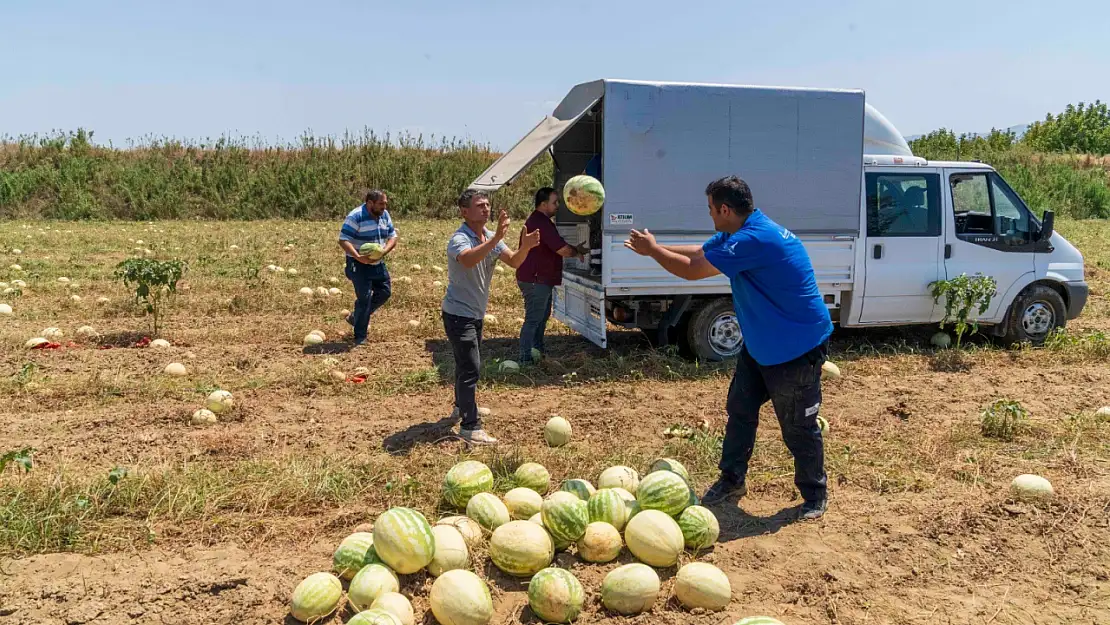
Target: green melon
351, 554
373, 250
521, 548
654, 538
464, 480
557, 431
582, 488
583, 194
373, 581
630, 589
533, 475
672, 465
665, 491
619, 477
316, 597
523, 502
609, 506
403, 540
556, 596
560, 545
374, 617
566, 520
489, 511
699, 527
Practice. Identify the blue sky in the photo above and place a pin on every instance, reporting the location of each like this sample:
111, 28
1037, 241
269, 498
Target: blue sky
489, 71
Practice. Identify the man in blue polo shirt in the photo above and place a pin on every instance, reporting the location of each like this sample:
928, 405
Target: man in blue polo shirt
368, 223
786, 327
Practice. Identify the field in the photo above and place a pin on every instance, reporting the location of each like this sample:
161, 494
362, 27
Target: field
131, 515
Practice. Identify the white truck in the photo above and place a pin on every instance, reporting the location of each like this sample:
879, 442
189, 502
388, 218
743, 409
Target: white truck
880, 225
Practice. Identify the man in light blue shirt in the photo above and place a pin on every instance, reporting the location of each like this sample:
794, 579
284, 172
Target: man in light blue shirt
472, 252
786, 328
368, 223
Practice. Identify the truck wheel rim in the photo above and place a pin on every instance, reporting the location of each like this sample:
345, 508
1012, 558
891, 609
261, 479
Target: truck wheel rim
724, 334
1038, 319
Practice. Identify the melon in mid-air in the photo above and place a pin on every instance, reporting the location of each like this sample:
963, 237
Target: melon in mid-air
702, 585
654, 538
523, 502
488, 510
699, 526
630, 589
460, 597
533, 475
619, 477
583, 194
371, 250
1029, 487
521, 548
555, 595
464, 480
557, 431
451, 551
601, 542
219, 402
371, 582
315, 597
664, 490
404, 540
350, 555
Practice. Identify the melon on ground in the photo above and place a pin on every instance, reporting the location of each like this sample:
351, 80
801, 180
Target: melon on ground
533, 475
555, 595
758, 620
468, 527
670, 464
404, 540
702, 585
654, 538
374, 617
350, 555
830, 370
664, 490
460, 597
609, 506
600, 543
630, 589
557, 431
489, 511
371, 582
315, 597
619, 477
396, 604
451, 551
560, 545
1029, 487
565, 520
699, 526
464, 480
523, 502
582, 488
521, 548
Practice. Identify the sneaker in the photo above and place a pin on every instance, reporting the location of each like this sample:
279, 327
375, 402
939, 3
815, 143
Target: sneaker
813, 510
477, 437
482, 412
724, 488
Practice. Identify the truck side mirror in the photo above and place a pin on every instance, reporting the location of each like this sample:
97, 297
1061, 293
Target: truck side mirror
1047, 224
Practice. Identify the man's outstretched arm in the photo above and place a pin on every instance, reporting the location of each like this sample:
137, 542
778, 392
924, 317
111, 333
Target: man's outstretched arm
688, 267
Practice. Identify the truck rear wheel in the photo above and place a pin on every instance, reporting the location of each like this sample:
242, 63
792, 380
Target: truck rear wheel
713, 332
1034, 314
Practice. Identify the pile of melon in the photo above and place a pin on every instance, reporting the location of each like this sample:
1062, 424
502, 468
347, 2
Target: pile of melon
657, 519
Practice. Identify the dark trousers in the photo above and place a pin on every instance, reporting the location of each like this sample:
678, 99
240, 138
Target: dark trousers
537, 310
372, 289
465, 335
794, 389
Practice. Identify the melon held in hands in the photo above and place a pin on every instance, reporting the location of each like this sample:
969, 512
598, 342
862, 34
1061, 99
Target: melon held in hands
373, 251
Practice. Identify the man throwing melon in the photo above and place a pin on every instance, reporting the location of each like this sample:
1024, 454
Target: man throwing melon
786, 327
367, 237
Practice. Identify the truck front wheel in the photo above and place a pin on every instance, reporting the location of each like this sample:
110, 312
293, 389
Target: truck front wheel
1036, 312
713, 332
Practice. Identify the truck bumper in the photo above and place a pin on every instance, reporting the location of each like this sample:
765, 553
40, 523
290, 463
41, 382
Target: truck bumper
1077, 297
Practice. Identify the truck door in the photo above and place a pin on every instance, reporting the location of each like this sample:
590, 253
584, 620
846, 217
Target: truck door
903, 244
990, 231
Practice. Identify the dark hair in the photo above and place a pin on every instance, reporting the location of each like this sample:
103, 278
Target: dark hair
543, 195
733, 193
374, 195
468, 196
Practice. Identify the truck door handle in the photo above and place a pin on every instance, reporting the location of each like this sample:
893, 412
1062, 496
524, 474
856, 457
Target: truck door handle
877, 253
947, 251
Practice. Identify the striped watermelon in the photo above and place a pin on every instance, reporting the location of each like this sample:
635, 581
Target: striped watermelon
701, 585
582, 488
758, 620
533, 475
630, 589
451, 551
619, 477
471, 531
566, 520
523, 502
465, 480
316, 597
630, 500
489, 511
609, 506
654, 538
560, 545
351, 554
672, 465
373, 581
600, 543
663, 490
374, 617
404, 540
461, 598
521, 548
699, 527
555, 595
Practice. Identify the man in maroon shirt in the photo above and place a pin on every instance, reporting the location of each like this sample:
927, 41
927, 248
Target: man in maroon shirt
541, 272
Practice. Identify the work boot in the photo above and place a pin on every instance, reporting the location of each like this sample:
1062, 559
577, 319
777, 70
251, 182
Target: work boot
477, 437
813, 510
726, 487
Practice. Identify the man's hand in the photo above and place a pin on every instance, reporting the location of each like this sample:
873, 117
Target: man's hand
643, 243
503, 225
364, 259
529, 239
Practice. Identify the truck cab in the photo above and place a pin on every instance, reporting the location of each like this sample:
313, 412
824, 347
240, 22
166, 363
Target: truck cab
880, 224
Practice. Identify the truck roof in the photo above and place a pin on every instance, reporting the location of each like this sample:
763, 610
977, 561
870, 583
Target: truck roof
892, 160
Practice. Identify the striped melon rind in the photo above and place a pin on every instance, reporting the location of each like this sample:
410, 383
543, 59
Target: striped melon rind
350, 555
609, 506
565, 520
316, 597
555, 595
521, 548
403, 539
464, 480
664, 491
654, 538
699, 526
583, 488
489, 511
